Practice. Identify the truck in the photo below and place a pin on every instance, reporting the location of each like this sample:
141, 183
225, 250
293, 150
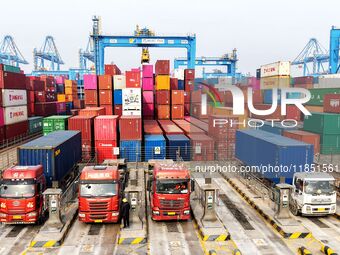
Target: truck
313, 194
169, 188
100, 193
21, 195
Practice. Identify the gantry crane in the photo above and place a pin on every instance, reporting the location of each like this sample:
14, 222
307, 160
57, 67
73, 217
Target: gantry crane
48, 52
87, 55
10, 53
145, 51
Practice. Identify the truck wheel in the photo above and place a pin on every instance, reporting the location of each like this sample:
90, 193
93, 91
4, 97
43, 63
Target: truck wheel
294, 209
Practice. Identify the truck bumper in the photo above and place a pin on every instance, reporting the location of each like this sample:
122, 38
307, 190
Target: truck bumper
159, 215
318, 210
28, 218
98, 217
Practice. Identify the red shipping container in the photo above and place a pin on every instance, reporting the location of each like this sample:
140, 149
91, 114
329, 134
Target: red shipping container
170, 128
2, 134
108, 109
189, 85
34, 84
78, 103
173, 83
10, 80
130, 128
30, 97
303, 80
187, 97
92, 111
105, 97
151, 127
105, 82
225, 129
30, 109
162, 67
132, 79
177, 111
17, 129
177, 97
83, 124
189, 74
105, 127
331, 103
202, 147
187, 109
275, 115
163, 97
48, 80
45, 109
105, 150
42, 96
293, 113
91, 97
87, 149
148, 110
305, 137
74, 112
188, 128
147, 97
117, 109
163, 111
112, 70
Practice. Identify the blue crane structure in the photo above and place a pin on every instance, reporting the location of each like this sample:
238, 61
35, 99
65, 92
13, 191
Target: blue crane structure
87, 55
10, 53
48, 52
100, 42
228, 60
314, 53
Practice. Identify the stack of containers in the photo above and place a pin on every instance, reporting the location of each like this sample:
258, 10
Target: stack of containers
224, 135
90, 90
130, 130
13, 104
106, 93
60, 85
46, 97
177, 104
131, 95
189, 82
119, 83
162, 71
147, 86
32, 84
154, 141
327, 125
71, 90
105, 135
179, 76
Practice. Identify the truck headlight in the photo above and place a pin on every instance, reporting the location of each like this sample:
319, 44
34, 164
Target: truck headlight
333, 208
32, 214
3, 205
155, 212
81, 215
308, 209
186, 212
115, 214
30, 205
2, 215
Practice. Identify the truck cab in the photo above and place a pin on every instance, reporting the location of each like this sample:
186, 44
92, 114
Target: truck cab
100, 194
21, 195
169, 192
313, 194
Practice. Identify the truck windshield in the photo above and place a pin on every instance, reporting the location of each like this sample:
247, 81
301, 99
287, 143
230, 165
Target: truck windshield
319, 187
98, 189
172, 186
17, 190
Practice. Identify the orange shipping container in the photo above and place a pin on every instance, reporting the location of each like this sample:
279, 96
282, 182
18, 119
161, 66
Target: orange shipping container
105, 81
163, 112
306, 137
61, 98
70, 84
177, 112
92, 111
177, 97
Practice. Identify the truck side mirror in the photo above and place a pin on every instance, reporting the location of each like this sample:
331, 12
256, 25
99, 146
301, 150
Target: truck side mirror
149, 183
192, 184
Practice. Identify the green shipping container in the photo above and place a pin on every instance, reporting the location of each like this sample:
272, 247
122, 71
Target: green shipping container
13, 69
35, 125
330, 144
318, 94
55, 123
322, 123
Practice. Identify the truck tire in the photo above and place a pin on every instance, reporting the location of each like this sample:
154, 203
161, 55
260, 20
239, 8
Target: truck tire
294, 209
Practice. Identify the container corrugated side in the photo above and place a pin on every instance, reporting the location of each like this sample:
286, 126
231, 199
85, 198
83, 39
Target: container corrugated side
277, 128
130, 150
155, 147
322, 123
35, 125
178, 145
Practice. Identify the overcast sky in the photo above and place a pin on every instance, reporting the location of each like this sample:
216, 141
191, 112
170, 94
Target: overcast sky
263, 31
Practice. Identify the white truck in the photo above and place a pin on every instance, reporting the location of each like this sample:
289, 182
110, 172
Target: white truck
313, 194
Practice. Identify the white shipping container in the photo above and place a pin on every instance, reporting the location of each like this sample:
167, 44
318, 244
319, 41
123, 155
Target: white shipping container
275, 82
178, 73
14, 114
119, 82
13, 97
132, 113
328, 81
132, 99
281, 68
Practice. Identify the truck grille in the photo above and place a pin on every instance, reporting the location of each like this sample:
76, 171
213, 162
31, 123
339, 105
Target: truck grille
98, 206
171, 204
98, 216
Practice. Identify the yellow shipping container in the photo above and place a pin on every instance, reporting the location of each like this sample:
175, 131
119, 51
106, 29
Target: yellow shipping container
162, 82
228, 112
69, 83
61, 98
313, 108
70, 91
275, 82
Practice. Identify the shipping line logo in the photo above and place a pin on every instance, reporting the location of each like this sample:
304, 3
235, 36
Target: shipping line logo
16, 114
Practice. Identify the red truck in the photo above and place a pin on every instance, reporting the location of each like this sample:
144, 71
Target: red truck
169, 192
100, 193
21, 195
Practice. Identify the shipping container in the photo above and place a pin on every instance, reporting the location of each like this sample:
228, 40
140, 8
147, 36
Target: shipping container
162, 82
330, 144
148, 110
169, 127
178, 73
163, 111
331, 103
155, 147
317, 95
328, 81
130, 150
177, 97
188, 128
147, 71
118, 97
147, 83
58, 152
281, 68
92, 111
257, 148
132, 79
132, 99
105, 82
55, 123
177, 112
90, 81
130, 128
83, 124
147, 97
117, 109
105, 150
268, 96
180, 84
189, 74
2, 134
275, 82
112, 69
322, 123
173, 83
91, 97
9, 80
12, 97
61, 108
163, 97
305, 137
198, 123
202, 147
45, 109
223, 127
108, 109
35, 125
11, 115
119, 82
79, 104
151, 127
277, 127
105, 97
15, 130
162, 67
9, 68
189, 85
178, 146
105, 127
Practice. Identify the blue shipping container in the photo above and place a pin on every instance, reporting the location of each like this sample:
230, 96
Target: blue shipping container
180, 84
178, 144
259, 149
155, 147
268, 96
58, 152
276, 127
117, 96
130, 150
